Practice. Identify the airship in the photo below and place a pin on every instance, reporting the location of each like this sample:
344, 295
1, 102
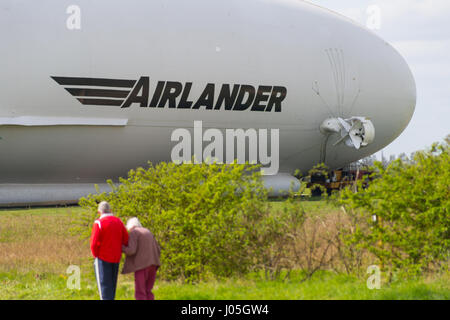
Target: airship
92, 89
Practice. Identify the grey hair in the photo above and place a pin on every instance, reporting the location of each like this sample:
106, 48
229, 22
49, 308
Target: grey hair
133, 223
104, 207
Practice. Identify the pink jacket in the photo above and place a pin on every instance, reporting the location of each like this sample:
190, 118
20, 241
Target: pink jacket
142, 250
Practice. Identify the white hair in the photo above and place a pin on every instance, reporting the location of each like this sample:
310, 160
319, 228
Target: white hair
104, 207
133, 223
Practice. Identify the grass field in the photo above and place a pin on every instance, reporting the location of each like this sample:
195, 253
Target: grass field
36, 249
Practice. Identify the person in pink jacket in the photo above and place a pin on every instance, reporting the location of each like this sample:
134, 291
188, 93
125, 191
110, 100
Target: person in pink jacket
142, 258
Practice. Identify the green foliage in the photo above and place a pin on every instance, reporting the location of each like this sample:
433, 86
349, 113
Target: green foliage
203, 216
411, 203
274, 237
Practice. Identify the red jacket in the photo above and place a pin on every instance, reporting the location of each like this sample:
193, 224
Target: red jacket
108, 236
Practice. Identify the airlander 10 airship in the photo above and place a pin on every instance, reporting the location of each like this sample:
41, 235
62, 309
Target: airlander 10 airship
92, 89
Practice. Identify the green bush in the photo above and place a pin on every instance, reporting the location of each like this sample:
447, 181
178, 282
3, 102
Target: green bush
203, 216
411, 202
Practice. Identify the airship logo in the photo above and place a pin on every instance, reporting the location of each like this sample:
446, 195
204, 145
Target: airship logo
171, 94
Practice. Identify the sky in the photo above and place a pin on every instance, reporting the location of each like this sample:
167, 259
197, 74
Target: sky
420, 31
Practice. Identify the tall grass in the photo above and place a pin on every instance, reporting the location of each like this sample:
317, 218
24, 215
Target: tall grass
38, 240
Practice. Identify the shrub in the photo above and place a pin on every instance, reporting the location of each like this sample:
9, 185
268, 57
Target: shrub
274, 236
406, 213
203, 216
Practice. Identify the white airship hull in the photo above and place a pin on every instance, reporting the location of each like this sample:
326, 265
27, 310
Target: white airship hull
51, 133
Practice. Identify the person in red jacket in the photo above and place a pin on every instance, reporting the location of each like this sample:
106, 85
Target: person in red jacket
108, 236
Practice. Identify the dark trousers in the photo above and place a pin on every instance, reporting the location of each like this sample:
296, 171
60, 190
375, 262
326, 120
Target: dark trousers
106, 274
143, 283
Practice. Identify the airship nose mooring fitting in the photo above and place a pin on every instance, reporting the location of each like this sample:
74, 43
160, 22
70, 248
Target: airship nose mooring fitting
356, 132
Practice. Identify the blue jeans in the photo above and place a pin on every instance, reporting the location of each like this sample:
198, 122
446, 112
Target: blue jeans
106, 274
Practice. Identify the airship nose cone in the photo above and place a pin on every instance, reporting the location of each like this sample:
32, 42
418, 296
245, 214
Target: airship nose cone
388, 91
375, 85
398, 104
405, 97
